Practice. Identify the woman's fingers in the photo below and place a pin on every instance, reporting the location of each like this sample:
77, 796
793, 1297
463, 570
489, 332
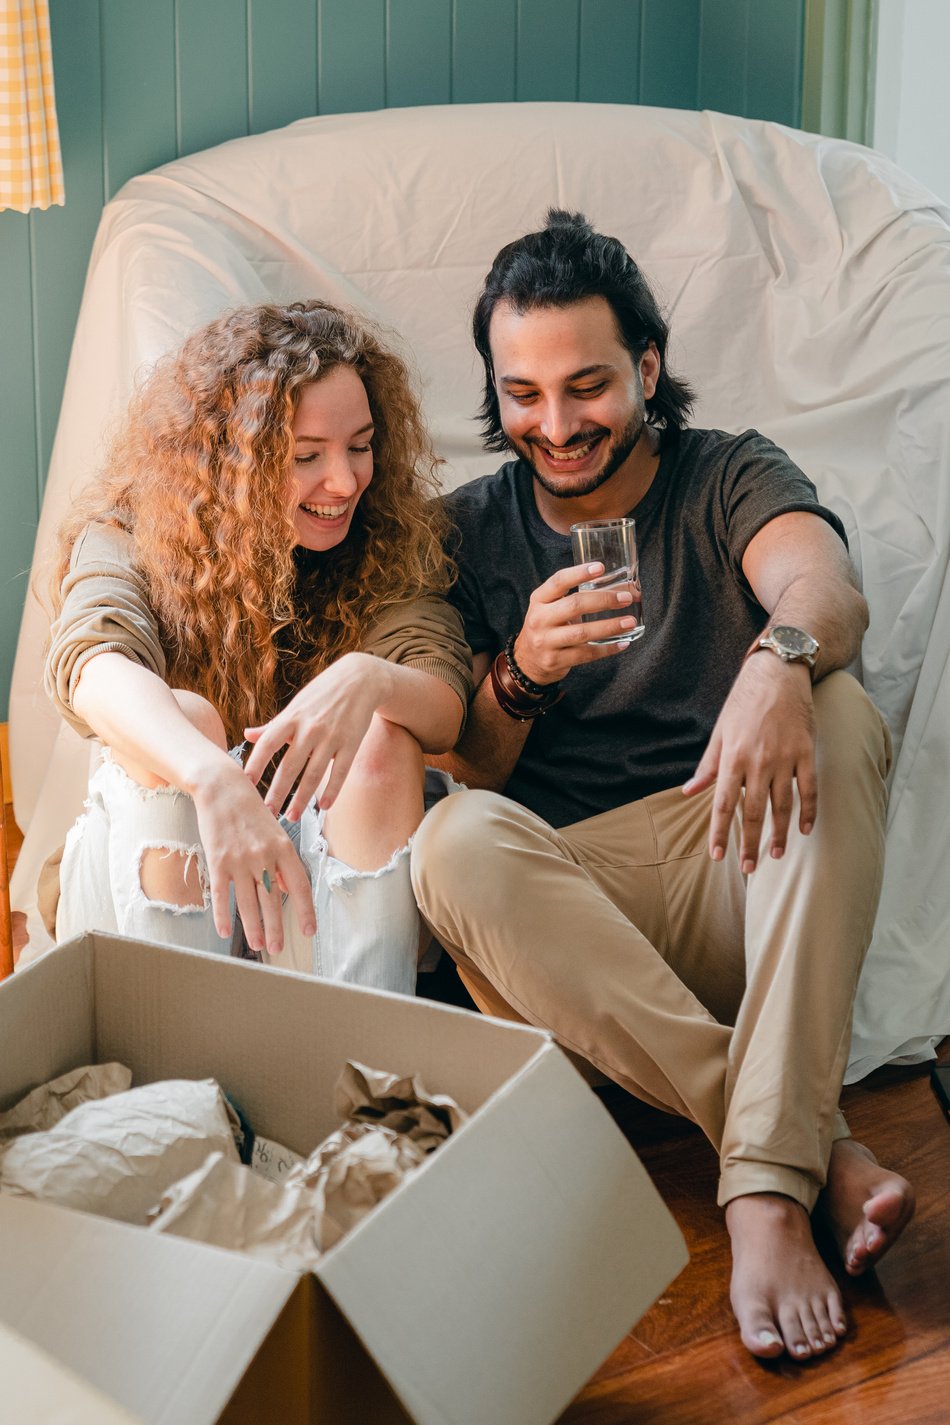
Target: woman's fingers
221, 903
294, 877
339, 767
267, 742
289, 768
245, 894
270, 901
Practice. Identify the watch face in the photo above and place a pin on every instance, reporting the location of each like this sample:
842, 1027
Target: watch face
793, 640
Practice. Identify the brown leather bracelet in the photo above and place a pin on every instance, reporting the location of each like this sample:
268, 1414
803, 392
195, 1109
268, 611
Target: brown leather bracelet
513, 700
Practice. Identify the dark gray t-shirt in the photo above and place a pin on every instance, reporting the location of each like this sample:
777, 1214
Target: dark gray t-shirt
638, 722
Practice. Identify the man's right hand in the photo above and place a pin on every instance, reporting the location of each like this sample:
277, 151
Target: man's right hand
553, 640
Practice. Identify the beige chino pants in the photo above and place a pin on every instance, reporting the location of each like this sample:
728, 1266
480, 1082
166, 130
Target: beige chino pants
722, 997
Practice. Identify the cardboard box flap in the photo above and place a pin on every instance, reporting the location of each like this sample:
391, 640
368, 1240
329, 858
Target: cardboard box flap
37, 1390
164, 1327
48, 1025
455, 1283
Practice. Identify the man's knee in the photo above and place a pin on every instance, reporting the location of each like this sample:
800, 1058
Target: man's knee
848, 723
453, 845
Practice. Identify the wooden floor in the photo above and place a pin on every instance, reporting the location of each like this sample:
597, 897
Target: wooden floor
684, 1365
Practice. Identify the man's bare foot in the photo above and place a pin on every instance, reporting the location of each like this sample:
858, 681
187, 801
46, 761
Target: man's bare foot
782, 1293
866, 1206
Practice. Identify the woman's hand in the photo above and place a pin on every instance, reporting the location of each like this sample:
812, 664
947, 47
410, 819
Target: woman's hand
324, 723
242, 841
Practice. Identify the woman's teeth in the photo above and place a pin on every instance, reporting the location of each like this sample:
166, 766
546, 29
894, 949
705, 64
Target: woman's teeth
325, 512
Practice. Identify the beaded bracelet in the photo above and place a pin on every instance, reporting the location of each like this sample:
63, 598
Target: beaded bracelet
512, 698
537, 690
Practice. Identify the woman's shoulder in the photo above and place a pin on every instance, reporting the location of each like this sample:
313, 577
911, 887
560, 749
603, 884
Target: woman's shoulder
427, 611
102, 544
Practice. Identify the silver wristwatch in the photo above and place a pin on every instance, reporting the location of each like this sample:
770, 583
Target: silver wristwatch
793, 645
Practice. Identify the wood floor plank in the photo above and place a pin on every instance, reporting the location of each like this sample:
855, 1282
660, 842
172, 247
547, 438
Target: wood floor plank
915, 1394
698, 1373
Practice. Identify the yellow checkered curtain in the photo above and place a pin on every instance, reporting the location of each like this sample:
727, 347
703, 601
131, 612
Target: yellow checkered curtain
31, 168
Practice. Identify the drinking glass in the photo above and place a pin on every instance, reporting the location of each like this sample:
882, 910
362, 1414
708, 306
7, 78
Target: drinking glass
614, 544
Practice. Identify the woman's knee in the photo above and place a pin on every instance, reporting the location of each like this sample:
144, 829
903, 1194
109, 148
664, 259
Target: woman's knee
201, 714
388, 759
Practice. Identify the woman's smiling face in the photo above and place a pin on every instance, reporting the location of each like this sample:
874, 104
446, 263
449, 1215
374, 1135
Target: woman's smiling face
333, 456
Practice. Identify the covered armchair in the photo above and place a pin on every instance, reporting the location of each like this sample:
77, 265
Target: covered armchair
807, 281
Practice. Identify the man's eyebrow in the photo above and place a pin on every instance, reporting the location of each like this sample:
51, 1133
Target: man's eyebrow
319, 439
598, 368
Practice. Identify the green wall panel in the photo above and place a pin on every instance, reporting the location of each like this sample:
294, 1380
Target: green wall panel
283, 62
211, 61
722, 57
139, 102
670, 58
610, 51
483, 51
18, 463
548, 43
139, 81
418, 53
774, 62
352, 55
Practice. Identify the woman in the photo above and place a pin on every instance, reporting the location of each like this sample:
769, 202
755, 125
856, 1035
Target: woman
261, 563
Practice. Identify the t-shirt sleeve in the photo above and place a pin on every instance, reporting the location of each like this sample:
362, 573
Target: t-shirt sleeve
425, 634
759, 483
104, 610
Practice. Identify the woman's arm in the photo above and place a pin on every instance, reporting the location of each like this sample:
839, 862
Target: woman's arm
328, 719
134, 713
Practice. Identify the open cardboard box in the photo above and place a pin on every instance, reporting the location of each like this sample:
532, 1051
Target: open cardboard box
486, 1288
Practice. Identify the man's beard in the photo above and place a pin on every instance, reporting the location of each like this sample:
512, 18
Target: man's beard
617, 453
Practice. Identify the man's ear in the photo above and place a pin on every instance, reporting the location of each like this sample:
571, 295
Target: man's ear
650, 370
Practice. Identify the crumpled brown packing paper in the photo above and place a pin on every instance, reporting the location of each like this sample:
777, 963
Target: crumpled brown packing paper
324, 1197
401, 1103
46, 1105
116, 1156
225, 1204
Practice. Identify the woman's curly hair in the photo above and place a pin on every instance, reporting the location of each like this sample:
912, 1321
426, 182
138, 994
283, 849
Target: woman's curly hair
199, 477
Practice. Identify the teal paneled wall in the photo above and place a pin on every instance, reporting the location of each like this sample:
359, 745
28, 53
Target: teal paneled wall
139, 82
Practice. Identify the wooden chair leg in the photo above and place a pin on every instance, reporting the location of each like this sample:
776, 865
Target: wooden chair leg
6, 919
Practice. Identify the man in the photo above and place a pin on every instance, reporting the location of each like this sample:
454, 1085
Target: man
680, 880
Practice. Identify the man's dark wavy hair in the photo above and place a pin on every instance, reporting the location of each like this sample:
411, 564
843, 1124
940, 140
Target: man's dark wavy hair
564, 263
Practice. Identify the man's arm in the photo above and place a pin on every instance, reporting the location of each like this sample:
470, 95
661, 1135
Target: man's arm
551, 642
764, 737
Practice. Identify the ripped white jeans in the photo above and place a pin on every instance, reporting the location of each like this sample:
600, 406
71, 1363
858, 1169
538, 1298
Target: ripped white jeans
368, 925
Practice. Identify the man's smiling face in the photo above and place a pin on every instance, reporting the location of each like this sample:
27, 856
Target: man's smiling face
570, 395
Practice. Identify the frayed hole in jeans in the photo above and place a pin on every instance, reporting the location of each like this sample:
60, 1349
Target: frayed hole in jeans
174, 878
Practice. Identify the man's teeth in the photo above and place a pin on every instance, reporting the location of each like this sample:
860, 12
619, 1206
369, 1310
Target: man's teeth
325, 512
576, 452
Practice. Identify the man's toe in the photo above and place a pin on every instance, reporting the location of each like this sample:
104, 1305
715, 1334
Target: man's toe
760, 1333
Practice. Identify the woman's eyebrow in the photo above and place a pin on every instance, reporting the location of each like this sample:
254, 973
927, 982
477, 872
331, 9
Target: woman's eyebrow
316, 439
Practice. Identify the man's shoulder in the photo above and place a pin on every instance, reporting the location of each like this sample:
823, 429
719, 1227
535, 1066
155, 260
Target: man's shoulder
700, 443
484, 496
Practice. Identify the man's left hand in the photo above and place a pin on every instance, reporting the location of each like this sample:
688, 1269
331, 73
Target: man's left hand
763, 740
